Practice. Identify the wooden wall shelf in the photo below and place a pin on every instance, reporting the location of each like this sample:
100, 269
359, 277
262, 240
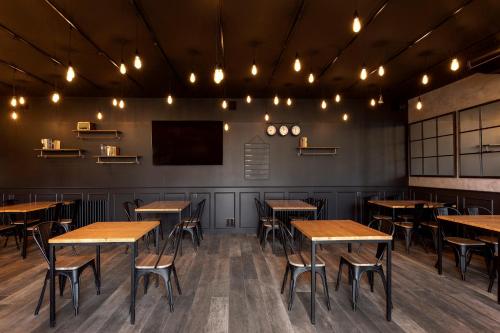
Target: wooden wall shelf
317, 151
60, 153
97, 134
120, 159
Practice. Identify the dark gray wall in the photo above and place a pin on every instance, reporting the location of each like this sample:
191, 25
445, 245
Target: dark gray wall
371, 158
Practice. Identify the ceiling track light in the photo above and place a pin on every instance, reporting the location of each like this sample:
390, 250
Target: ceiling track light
296, 64
356, 22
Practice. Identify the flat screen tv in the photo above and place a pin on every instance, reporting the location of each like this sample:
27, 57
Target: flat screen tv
187, 142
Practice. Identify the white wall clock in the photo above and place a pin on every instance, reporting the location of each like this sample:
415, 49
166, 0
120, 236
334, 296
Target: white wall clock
295, 130
283, 130
271, 130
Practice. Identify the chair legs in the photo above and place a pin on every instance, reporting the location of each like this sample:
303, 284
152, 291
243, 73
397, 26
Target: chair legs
40, 299
165, 275
295, 272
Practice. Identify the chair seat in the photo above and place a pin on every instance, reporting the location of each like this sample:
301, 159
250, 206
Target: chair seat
429, 224
190, 219
148, 261
357, 260
270, 224
464, 241
303, 260
268, 219
406, 225
66, 221
189, 225
29, 222
382, 217
68, 262
488, 239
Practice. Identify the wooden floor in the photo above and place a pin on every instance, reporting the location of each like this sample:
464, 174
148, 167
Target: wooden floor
231, 285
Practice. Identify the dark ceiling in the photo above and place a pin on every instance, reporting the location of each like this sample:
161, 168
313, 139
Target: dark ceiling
177, 37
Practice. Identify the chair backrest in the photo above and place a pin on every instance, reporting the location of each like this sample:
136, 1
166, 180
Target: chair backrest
172, 243
387, 227
444, 211
138, 203
126, 208
320, 207
479, 211
286, 240
260, 208
41, 234
75, 209
55, 212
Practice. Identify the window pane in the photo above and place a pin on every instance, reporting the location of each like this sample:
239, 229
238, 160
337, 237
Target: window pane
445, 145
446, 166
430, 166
470, 165
469, 120
416, 131
469, 142
416, 149
429, 128
445, 125
430, 147
491, 165
490, 114
416, 167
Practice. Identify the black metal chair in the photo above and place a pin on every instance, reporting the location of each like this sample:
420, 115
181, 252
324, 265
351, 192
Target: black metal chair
74, 208
358, 265
409, 225
162, 265
462, 247
66, 267
265, 223
296, 264
7, 230
192, 224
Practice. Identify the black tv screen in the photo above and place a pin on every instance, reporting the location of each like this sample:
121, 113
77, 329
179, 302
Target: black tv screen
187, 142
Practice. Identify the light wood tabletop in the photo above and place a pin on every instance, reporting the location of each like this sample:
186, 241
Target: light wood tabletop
174, 206
338, 230
486, 222
289, 205
405, 204
107, 232
30, 206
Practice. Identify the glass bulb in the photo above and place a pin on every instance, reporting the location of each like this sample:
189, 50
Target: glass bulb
218, 75
114, 102
13, 101
121, 104
13, 115
455, 65
55, 97
192, 77
380, 99
226, 127
254, 69
425, 79
288, 101
296, 65
276, 100
345, 117
224, 104
266, 117
70, 73
137, 61
249, 99
373, 102
337, 98
364, 73
323, 104
356, 23
311, 78
170, 100
381, 70
99, 115
123, 68
419, 104
21, 100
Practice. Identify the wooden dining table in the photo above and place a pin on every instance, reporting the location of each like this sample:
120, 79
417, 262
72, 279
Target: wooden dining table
25, 209
404, 204
485, 222
99, 234
165, 207
341, 232
287, 206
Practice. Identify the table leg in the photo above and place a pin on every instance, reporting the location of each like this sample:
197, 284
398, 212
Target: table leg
25, 235
157, 239
389, 282
52, 285
440, 248
394, 214
98, 264
132, 283
313, 282
272, 223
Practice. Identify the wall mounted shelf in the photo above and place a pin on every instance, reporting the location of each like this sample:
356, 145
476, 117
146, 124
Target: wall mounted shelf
120, 159
98, 134
489, 147
60, 153
317, 151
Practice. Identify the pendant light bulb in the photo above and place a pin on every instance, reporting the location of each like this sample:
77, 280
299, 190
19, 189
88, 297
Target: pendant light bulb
311, 78
373, 102
363, 74
380, 99
455, 64
419, 104
114, 102
224, 104
254, 69
137, 61
226, 127
425, 79
323, 104
99, 116
337, 98
345, 117
192, 77
289, 101
170, 99
276, 100
70, 73
356, 22
121, 104
296, 65
55, 97
381, 71
13, 101
13, 115
218, 74
266, 117
21, 100
249, 99
123, 68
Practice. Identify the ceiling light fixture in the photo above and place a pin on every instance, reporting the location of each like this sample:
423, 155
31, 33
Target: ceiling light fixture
218, 74
364, 73
419, 104
454, 65
226, 127
192, 77
425, 79
381, 71
356, 22
254, 69
296, 65
137, 60
21, 100
288, 101
114, 102
266, 117
13, 101
276, 100
249, 99
55, 97
323, 104
345, 117
311, 78
13, 115
123, 68
224, 104
380, 99
373, 102
99, 116
170, 99
121, 104
337, 98
70, 73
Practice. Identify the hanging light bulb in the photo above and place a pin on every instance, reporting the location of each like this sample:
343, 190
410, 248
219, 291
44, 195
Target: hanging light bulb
296, 65
381, 70
419, 104
345, 117
373, 102
121, 104
364, 73
55, 97
337, 98
224, 104
13, 101
425, 79
114, 102
14, 115
288, 101
123, 68
70, 73
323, 104
266, 117
170, 99
310, 79
218, 74
276, 100
226, 127
249, 99
380, 99
99, 115
192, 77
137, 60
254, 69
356, 22
21, 100
454, 65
